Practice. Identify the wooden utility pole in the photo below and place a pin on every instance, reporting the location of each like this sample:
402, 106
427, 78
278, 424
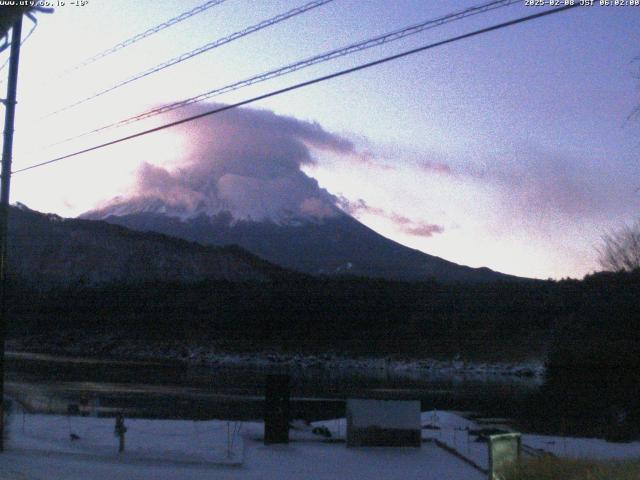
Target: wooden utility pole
7, 152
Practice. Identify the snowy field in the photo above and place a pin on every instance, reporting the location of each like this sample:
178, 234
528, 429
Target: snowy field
453, 430
40, 447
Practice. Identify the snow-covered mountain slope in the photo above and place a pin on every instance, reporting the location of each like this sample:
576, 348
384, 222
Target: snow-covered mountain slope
332, 243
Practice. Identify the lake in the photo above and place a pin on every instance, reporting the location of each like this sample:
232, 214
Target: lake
48, 383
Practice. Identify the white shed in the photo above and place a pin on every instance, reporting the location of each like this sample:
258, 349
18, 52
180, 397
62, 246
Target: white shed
383, 423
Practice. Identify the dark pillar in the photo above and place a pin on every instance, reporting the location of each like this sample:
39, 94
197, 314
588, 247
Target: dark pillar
276, 411
7, 153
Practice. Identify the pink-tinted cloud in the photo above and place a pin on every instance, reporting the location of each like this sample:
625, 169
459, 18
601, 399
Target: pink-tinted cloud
370, 160
245, 161
436, 167
403, 223
423, 229
387, 156
393, 162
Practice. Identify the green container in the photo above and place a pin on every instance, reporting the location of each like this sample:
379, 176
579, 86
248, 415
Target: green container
504, 450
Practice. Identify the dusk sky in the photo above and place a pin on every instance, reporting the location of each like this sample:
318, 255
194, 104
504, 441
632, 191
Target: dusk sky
512, 150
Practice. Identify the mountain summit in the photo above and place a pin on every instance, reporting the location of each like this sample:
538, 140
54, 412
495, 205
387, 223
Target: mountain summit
240, 179
319, 245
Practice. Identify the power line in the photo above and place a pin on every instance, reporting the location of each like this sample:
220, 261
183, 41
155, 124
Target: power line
136, 38
303, 84
321, 58
205, 48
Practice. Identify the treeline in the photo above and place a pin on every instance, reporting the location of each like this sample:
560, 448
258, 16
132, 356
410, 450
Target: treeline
602, 324
593, 363
303, 313
592, 320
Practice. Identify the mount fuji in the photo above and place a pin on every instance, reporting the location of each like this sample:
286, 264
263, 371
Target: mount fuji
240, 179
331, 244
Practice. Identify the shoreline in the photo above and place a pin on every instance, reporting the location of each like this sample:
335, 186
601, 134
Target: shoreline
107, 350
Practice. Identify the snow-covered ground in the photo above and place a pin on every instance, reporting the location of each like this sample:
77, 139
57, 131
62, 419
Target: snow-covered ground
588, 448
453, 430
40, 447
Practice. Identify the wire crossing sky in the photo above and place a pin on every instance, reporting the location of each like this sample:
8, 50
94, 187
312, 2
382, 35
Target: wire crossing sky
324, 57
300, 85
136, 38
200, 50
512, 150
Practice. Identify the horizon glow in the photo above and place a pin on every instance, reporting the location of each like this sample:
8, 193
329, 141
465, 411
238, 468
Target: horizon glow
517, 143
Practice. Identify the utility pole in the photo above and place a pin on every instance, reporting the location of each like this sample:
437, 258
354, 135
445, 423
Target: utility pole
7, 152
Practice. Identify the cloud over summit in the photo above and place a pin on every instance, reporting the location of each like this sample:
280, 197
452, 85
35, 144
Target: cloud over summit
245, 161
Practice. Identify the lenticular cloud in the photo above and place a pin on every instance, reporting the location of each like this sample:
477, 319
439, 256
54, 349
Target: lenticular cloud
244, 161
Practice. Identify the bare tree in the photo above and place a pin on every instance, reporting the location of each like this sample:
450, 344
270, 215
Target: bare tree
620, 249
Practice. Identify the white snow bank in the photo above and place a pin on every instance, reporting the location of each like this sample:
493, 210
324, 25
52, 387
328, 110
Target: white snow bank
168, 450
452, 429
173, 441
187, 450
588, 448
